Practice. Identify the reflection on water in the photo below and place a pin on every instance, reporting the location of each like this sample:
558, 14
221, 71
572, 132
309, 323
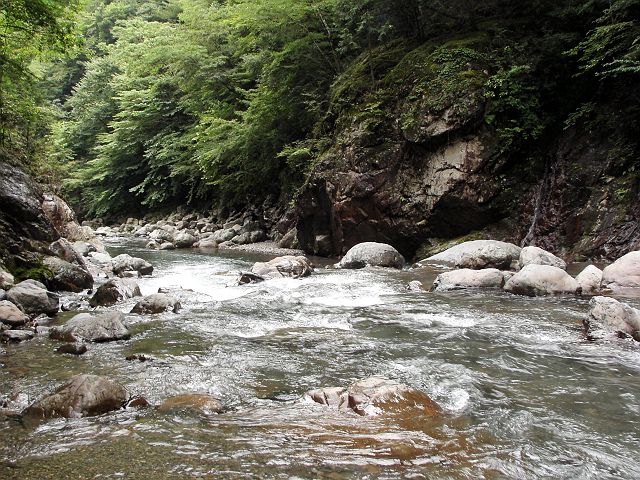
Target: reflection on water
525, 395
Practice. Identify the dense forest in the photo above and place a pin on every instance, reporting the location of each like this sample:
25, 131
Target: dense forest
132, 106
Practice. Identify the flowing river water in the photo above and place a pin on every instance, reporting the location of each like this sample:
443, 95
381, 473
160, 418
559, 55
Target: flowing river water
525, 395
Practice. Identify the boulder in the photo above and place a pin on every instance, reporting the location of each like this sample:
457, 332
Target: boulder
375, 396
63, 219
157, 303
6, 280
106, 327
467, 278
125, 262
624, 273
3, 294
64, 250
152, 245
287, 266
372, 254
84, 248
82, 396
167, 246
11, 315
536, 280
479, 254
589, 280
247, 277
184, 240
67, 276
224, 235
609, 316
15, 336
192, 401
208, 243
102, 260
72, 348
160, 235
538, 256
34, 298
114, 291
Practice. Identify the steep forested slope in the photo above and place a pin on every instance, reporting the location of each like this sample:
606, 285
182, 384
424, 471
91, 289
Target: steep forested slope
403, 121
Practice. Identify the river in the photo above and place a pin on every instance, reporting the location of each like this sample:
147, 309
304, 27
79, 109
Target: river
525, 395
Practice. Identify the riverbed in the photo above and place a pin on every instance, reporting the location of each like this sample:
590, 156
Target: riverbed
525, 394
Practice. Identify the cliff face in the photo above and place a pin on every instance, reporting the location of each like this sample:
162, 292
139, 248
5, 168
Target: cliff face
421, 163
25, 229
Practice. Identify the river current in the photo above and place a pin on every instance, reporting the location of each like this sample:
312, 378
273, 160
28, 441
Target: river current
525, 394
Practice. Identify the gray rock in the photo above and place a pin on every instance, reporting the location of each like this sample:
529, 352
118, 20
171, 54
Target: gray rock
114, 291
67, 276
287, 266
101, 259
372, 254
224, 235
609, 316
15, 336
375, 396
479, 254
82, 396
167, 246
157, 303
106, 327
415, 286
3, 294
84, 248
248, 277
34, 298
242, 239
536, 280
208, 243
623, 274
72, 348
125, 262
152, 245
589, 280
64, 250
538, 256
6, 280
184, 240
11, 315
160, 235
467, 278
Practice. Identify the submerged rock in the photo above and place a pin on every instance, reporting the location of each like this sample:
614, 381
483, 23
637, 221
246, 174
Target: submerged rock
536, 280
378, 396
538, 256
34, 298
248, 277
157, 303
193, 401
82, 396
287, 266
11, 315
479, 254
589, 280
114, 291
372, 254
609, 316
624, 273
72, 348
106, 327
467, 278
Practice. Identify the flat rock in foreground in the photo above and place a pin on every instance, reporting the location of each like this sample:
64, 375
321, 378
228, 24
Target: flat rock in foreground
82, 396
106, 327
375, 396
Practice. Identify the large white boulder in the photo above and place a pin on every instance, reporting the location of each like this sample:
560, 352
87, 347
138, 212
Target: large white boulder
536, 280
372, 254
479, 254
589, 280
538, 256
467, 278
609, 316
286, 266
624, 273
